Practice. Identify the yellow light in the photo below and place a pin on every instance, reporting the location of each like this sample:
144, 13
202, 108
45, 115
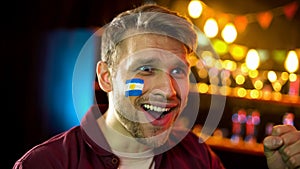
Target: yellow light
272, 76
253, 73
241, 92
211, 28
293, 77
195, 8
284, 76
291, 63
240, 79
220, 47
229, 33
238, 52
258, 84
252, 59
277, 86
202, 87
254, 94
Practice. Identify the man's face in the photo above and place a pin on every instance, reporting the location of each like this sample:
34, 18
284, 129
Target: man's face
161, 63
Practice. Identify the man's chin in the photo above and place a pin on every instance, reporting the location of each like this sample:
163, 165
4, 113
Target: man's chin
155, 141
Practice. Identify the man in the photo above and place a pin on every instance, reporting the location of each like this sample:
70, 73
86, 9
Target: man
145, 71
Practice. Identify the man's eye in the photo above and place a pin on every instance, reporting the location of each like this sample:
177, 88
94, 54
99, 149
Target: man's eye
146, 69
178, 71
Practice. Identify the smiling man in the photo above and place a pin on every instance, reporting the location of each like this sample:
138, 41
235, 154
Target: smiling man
160, 64
145, 71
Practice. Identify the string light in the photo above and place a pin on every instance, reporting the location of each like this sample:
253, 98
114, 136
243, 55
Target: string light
238, 52
252, 59
258, 84
240, 79
229, 33
195, 9
211, 28
244, 62
272, 76
291, 63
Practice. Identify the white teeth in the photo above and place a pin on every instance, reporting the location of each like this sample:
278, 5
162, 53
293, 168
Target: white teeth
156, 108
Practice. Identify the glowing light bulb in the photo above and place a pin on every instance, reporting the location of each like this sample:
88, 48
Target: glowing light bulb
272, 76
195, 8
292, 77
238, 52
229, 33
252, 59
241, 92
284, 76
291, 63
240, 79
258, 84
211, 28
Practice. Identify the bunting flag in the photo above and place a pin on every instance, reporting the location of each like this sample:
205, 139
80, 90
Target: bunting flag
265, 19
290, 10
223, 19
240, 23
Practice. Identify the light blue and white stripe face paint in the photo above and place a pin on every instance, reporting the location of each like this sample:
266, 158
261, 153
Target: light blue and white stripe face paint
134, 87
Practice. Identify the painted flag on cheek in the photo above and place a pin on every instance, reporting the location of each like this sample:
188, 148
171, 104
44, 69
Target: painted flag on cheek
134, 87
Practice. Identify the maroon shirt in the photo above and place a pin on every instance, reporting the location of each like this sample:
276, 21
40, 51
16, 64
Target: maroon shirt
77, 149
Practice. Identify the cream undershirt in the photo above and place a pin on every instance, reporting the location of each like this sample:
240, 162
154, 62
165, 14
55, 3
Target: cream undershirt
127, 162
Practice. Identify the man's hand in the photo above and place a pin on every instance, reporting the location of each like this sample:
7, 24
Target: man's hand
282, 148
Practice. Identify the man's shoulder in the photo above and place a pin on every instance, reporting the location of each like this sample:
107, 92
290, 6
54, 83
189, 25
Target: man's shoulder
64, 137
56, 147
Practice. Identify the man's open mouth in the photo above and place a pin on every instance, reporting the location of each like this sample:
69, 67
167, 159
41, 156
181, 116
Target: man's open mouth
156, 112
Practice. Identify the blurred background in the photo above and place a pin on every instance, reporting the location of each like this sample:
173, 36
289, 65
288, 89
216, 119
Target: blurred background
258, 70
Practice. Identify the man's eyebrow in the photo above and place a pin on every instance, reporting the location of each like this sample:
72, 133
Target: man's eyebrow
146, 60
184, 64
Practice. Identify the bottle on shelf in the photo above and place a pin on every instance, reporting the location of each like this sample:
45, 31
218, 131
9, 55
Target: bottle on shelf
238, 125
288, 119
252, 125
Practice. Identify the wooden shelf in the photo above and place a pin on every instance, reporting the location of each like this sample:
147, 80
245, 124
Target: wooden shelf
226, 144
285, 100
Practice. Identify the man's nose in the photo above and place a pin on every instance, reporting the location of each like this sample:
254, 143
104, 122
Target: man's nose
167, 85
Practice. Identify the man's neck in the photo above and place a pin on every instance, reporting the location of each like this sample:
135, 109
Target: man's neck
118, 138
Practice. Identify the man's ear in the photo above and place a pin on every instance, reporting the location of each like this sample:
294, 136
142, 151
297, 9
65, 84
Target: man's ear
104, 76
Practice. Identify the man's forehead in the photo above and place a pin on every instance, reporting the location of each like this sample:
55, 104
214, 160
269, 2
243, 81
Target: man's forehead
142, 41
156, 52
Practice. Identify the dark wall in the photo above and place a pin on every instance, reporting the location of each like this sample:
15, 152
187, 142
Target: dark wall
23, 26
